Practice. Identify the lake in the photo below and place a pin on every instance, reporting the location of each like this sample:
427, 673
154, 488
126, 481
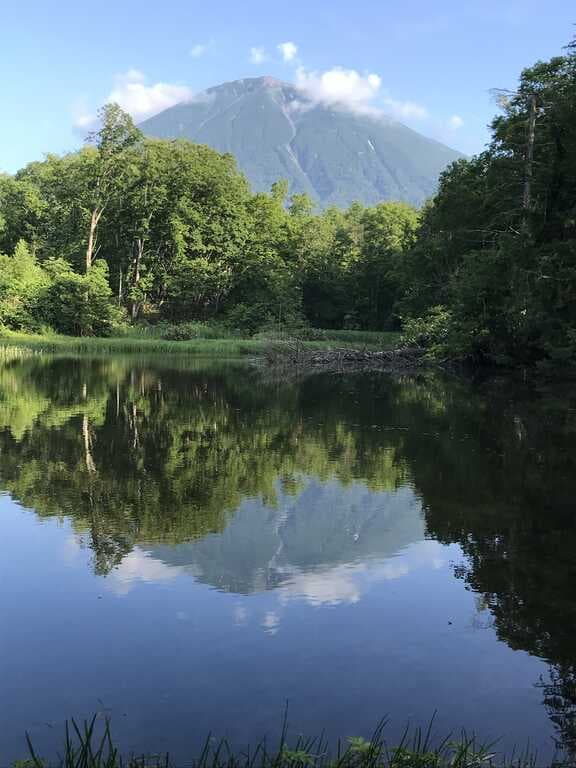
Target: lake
188, 547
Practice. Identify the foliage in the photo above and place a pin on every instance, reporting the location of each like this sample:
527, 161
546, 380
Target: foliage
432, 331
185, 240
22, 284
188, 331
79, 305
497, 247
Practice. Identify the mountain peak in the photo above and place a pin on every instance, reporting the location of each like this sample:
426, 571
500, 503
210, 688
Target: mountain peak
251, 84
272, 82
334, 155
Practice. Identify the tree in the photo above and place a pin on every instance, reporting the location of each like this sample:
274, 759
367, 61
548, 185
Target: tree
116, 135
389, 231
497, 247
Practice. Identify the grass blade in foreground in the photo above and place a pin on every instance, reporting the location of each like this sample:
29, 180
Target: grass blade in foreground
83, 748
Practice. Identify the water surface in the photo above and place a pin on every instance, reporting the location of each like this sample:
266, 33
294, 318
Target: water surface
188, 547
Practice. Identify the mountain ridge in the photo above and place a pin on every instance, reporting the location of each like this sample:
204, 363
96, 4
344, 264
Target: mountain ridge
333, 154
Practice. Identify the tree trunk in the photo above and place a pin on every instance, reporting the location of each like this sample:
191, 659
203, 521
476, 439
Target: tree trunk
529, 163
136, 275
94, 219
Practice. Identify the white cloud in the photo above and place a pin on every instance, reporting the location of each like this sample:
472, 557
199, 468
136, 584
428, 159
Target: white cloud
199, 50
357, 92
405, 110
140, 566
455, 122
258, 55
340, 86
85, 120
140, 100
288, 50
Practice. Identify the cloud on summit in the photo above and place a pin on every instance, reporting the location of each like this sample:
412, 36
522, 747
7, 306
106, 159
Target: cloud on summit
361, 93
346, 87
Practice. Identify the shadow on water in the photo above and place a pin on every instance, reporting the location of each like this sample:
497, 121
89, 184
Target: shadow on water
248, 484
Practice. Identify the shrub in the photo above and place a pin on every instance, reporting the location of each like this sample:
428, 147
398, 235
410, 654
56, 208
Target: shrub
190, 330
431, 331
248, 318
23, 282
80, 305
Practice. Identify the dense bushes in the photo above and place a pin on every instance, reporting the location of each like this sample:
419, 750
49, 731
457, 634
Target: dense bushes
52, 294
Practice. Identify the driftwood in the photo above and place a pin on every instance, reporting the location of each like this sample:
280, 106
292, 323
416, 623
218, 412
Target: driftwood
294, 354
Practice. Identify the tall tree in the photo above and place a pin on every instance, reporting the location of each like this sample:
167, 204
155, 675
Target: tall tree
116, 135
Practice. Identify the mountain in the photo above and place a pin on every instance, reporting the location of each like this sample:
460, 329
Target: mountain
335, 155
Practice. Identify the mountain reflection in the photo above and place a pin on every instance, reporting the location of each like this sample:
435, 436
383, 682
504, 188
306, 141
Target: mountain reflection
249, 486
322, 526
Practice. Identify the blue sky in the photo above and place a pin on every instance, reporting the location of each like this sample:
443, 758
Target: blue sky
430, 64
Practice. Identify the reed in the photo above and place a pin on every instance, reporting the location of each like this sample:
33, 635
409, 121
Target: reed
90, 745
147, 344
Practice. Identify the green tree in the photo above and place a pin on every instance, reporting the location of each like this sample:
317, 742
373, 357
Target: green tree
497, 247
116, 135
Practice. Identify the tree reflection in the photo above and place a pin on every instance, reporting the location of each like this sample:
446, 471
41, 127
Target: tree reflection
138, 453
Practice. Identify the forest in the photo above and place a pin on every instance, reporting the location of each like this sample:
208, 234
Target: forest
136, 231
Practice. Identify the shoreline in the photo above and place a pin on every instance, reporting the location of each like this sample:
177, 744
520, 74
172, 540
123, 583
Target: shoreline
198, 347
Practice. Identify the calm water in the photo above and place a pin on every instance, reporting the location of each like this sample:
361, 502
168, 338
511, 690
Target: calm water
187, 549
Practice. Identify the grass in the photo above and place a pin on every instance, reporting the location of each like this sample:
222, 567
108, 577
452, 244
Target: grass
90, 745
201, 347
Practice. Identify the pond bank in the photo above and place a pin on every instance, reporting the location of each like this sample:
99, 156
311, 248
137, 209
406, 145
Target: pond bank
201, 347
294, 354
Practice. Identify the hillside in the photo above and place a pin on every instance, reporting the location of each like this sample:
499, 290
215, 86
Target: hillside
334, 155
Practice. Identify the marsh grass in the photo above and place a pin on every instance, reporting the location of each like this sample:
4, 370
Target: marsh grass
88, 746
150, 344
78, 345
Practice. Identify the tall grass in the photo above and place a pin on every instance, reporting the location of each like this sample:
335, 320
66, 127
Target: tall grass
141, 343
130, 345
84, 747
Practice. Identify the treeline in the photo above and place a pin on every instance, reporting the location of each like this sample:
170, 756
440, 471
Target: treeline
174, 231
493, 272
134, 229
